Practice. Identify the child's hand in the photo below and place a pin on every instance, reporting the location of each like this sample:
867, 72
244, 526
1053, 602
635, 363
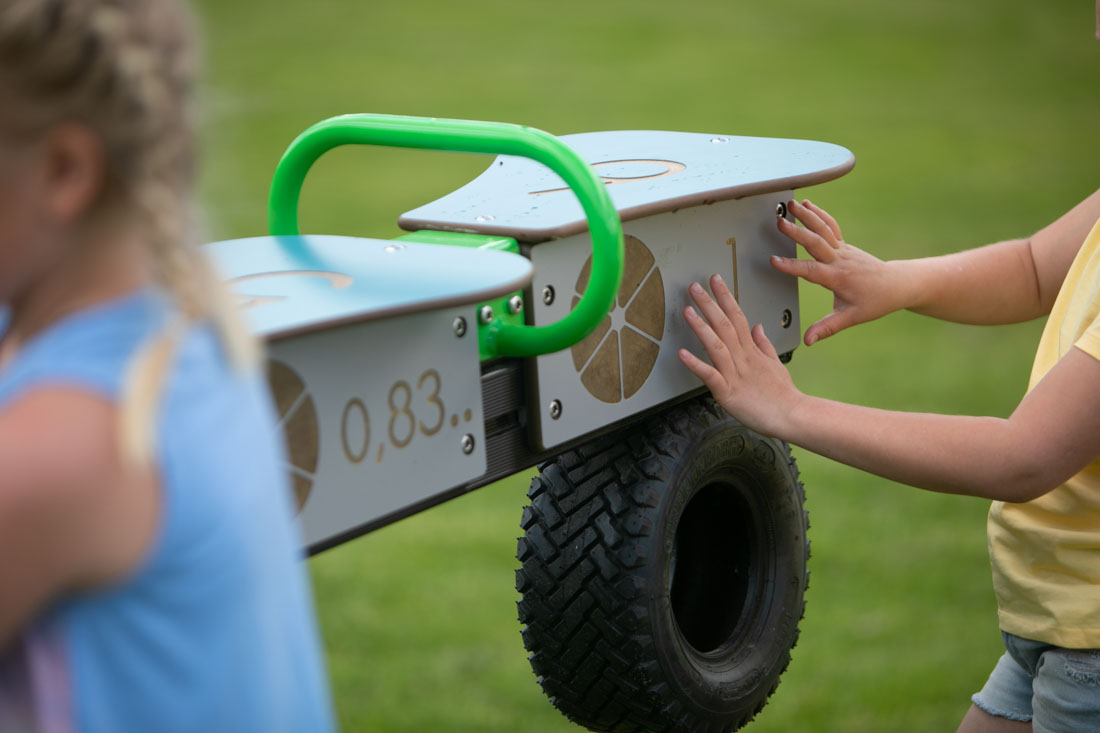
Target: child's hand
862, 287
747, 378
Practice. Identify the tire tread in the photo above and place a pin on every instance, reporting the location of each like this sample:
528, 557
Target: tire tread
583, 608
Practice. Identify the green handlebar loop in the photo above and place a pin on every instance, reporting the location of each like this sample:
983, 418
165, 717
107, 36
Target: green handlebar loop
475, 137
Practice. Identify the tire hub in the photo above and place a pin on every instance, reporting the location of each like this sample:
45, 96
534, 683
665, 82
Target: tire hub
712, 566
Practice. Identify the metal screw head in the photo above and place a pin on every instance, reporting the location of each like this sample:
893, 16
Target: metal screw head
787, 318
781, 210
515, 305
548, 295
485, 314
467, 444
460, 327
484, 218
555, 409
719, 139
394, 248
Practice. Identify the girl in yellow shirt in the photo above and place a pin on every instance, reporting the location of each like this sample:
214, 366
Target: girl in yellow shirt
1040, 466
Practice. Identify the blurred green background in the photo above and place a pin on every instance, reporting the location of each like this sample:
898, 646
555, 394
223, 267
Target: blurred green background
970, 121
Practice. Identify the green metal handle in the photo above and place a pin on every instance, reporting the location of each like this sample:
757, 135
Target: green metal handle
475, 137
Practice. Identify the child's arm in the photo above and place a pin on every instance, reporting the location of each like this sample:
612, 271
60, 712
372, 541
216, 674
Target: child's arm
1053, 433
1007, 282
71, 517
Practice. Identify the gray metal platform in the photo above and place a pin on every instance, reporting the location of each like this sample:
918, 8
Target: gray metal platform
647, 172
316, 282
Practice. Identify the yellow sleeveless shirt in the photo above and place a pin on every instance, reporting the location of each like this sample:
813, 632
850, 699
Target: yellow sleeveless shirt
1046, 553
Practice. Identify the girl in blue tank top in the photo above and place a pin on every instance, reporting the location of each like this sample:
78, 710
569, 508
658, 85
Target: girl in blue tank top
149, 572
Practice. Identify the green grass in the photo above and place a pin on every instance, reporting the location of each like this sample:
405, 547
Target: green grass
970, 121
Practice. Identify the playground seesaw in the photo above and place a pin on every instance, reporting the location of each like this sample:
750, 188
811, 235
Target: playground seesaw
532, 318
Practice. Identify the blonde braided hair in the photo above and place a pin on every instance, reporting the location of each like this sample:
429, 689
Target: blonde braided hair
126, 69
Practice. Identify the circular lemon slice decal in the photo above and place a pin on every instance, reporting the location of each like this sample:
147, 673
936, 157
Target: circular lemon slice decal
298, 421
615, 360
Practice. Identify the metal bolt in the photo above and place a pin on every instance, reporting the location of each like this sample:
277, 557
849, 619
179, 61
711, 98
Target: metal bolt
786, 319
460, 327
515, 305
467, 444
719, 139
781, 210
555, 409
484, 218
548, 295
486, 314
394, 247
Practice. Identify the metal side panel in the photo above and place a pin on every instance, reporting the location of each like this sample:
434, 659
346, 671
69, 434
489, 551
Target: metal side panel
629, 363
379, 416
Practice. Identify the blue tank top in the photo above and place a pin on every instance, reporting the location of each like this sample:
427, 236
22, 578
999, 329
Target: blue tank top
215, 631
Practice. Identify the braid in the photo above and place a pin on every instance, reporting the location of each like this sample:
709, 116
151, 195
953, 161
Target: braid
126, 69
166, 229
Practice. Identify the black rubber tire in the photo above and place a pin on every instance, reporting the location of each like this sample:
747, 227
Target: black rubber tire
663, 574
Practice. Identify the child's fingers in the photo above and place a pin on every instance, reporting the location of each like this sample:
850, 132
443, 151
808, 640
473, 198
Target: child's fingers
721, 321
825, 217
808, 270
707, 374
811, 241
729, 306
763, 342
716, 348
813, 222
830, 325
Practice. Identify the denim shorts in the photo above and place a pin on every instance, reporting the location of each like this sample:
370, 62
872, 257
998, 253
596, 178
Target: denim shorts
1057, 689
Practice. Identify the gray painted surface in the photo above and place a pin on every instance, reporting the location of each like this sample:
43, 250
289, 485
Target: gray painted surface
294, 284
688, 246
361, 379
648, 172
